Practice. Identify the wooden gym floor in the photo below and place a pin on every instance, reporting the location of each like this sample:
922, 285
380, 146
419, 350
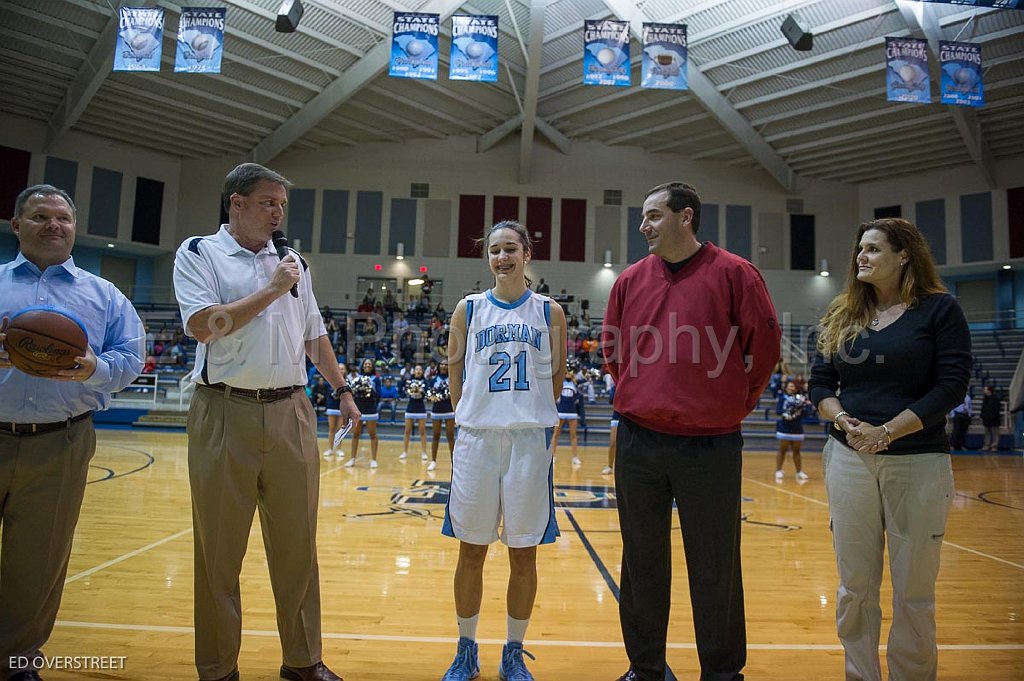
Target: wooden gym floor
386, 574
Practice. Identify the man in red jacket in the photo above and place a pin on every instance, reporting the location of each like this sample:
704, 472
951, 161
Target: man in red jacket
691, 337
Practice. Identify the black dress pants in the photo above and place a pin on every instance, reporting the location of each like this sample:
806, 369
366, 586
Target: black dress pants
702, 475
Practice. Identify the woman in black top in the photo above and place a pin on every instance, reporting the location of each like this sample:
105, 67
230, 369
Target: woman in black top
894, 357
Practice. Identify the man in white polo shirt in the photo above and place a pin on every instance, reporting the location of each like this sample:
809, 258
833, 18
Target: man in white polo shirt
252, 431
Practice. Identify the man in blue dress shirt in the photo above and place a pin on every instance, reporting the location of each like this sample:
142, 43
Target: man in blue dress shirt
46, 431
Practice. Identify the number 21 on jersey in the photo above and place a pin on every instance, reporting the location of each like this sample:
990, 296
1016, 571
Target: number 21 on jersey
499, 380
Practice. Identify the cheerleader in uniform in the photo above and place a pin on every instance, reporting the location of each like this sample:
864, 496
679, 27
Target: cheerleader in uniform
792, 407
568, 400
415, 411
441, 412
364, 389
334, 420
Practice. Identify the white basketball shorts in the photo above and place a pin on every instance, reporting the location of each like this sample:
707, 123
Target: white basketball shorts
501, 488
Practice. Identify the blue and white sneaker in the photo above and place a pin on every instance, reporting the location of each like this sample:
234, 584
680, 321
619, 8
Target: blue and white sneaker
512, 666
466, 665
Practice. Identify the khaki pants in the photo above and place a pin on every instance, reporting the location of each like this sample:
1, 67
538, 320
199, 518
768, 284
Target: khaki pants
42, 484
902, 500
243, 456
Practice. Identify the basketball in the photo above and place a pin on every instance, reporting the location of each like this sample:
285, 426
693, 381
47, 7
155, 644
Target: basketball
43, 340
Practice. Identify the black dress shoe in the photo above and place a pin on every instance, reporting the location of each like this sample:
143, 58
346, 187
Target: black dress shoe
629, 676
31, 675
316, 672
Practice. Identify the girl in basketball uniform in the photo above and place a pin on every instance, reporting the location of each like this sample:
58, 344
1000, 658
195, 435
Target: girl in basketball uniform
567, 414
415, 411
366, 392
507, 358
334, 420
442, 412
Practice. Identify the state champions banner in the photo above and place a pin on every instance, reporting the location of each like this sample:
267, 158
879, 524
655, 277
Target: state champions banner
140, 39
664, 58
960, 81
414, 46
906, 73
474, 54
200, 40
606, 52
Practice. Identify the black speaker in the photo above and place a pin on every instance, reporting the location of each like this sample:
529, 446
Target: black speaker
288, 16
795, 30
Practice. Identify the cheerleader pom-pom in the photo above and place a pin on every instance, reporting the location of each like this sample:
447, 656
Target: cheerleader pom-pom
435, 396
414, 389
362, 386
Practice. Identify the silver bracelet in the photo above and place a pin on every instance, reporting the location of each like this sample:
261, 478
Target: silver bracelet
835, 421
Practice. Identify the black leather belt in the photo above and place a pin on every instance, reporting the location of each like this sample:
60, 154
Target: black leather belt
258, 395
40, 428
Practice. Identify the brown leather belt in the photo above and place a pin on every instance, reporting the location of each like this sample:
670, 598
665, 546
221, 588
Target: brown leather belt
40, 428
258, 395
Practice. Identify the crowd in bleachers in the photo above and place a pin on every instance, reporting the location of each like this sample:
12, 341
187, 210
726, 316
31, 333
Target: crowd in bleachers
396, 337
167, 348
783, 375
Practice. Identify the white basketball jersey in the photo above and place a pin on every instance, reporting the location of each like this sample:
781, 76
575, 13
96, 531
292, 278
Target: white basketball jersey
507, 375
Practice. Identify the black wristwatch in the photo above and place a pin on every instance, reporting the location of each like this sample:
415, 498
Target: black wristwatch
338, 392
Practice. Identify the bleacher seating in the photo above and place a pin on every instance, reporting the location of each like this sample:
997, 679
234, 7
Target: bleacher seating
996, 353
995, 356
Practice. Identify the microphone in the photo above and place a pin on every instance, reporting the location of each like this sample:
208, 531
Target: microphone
280, 242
